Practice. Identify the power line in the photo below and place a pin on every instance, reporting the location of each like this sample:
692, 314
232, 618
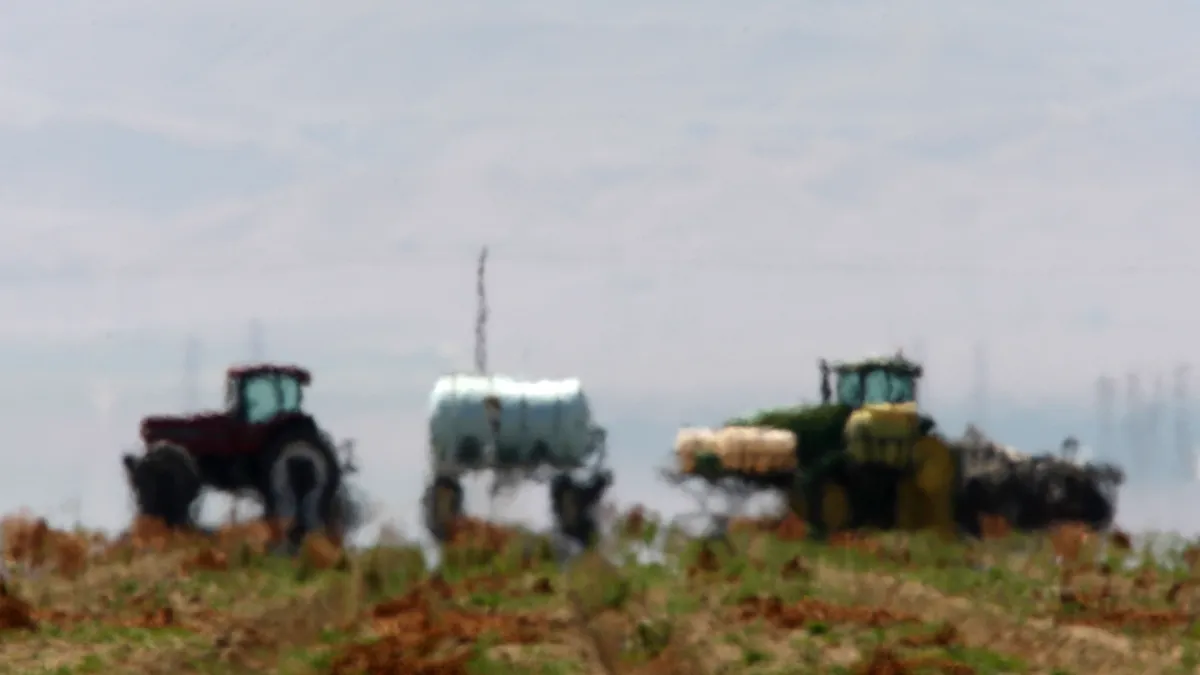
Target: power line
894, 266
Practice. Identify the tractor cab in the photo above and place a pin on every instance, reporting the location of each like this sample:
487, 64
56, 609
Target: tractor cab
882, 394
259, 393
258, 398
872, 381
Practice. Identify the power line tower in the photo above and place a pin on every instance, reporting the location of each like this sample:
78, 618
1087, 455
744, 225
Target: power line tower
191, 369
257, 351
1133, 426
1154, 418
1106, 393
1184, 453
981, 386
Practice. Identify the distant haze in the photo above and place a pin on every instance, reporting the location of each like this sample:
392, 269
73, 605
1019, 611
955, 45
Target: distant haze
383, 407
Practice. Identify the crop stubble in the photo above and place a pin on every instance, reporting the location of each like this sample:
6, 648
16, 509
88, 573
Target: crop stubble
761, 601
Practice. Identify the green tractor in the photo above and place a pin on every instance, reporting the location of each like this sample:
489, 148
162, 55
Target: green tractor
865, 455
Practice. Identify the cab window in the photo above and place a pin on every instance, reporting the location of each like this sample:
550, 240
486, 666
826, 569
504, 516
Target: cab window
849, 389
292, 394
260, 398
902, 389
878, 386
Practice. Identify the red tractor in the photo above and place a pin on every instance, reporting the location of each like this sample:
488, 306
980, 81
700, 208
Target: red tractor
262, 443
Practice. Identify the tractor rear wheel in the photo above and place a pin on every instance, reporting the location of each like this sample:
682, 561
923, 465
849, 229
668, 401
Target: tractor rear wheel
443, 505
300, 479
166, 483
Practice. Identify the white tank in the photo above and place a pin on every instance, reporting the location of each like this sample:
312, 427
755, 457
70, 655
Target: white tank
543, 422
757, 450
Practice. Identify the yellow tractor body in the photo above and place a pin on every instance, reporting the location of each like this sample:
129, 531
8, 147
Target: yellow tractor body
885, 430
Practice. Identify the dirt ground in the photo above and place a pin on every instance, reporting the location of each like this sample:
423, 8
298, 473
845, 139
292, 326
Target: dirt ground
766, 601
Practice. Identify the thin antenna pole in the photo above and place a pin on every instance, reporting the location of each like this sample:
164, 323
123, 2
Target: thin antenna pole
481, 314
491, 403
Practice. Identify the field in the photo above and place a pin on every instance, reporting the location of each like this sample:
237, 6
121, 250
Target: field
765, 601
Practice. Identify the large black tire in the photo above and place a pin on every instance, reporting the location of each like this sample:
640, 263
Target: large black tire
166, 483
1083, 501
992, 495
442, 505
299, 482
574, 505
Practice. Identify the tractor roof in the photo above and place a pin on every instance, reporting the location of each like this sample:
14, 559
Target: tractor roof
301, 374
897, 363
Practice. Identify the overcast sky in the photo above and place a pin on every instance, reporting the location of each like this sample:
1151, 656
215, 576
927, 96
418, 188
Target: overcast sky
687, 203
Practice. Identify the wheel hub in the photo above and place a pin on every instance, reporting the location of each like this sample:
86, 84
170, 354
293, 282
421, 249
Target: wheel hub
296, 459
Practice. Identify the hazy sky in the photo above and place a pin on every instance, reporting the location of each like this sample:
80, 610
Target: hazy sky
688, 203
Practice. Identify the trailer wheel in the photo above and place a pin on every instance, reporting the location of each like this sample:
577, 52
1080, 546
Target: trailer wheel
574, 505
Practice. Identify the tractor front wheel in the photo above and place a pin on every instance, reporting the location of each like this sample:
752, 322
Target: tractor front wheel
165, 482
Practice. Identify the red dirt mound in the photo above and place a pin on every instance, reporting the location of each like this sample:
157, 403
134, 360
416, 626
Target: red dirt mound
421, 634
33, 543
258, 536
476, 542
15, 613
633, 525
789, 527
808, 611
